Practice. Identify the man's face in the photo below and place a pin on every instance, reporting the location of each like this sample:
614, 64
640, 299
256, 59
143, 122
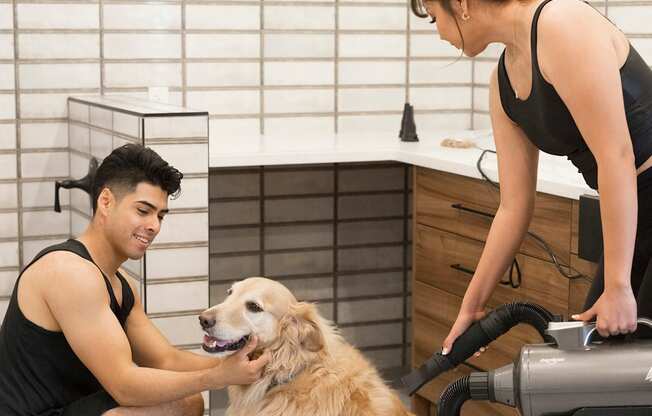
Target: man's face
135, 218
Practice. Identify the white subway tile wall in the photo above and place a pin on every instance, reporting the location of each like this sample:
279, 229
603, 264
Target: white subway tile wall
345, 66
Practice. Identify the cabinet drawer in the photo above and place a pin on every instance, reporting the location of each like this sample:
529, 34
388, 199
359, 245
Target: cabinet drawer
447, 261
434, 314
456, 203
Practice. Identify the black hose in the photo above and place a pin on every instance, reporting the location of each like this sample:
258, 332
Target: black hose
472, 387
480, 334
453, 397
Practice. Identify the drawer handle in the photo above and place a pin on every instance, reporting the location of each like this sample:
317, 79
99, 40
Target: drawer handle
471, 210
540, 241
514, 283
514, 280
462, 269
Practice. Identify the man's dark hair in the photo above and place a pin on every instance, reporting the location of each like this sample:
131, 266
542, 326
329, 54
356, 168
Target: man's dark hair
131, 164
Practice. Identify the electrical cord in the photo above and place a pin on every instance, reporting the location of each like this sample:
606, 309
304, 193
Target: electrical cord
574, 274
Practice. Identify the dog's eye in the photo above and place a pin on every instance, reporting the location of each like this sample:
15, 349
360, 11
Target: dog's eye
229, 291
254, 307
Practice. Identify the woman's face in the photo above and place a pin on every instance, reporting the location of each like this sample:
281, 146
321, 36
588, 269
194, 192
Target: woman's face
448, 30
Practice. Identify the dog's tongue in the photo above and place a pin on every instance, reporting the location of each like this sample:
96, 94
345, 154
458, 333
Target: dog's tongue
209, 340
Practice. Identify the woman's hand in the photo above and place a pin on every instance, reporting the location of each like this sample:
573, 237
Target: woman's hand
462, 323
615, 310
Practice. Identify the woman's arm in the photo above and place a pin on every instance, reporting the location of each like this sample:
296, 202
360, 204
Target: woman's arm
517, 170
579, 58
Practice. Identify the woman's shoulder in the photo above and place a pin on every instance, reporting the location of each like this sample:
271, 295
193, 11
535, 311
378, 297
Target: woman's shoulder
569, 29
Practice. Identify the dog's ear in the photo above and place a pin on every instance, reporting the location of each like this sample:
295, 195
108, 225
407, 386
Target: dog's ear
301, 326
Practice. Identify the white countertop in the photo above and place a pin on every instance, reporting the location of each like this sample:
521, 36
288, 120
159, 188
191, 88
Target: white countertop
557, 176
136, 106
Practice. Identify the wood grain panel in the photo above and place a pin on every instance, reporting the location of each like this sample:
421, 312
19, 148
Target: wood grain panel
436, 251
436, 193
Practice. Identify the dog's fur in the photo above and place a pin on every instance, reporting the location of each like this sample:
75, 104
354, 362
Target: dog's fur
312, 371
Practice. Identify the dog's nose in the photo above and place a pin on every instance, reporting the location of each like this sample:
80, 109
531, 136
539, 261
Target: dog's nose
206, 322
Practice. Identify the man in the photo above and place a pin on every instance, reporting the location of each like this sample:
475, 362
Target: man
76, 341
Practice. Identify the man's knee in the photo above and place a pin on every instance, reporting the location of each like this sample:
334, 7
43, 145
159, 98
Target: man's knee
194, 405
189, 406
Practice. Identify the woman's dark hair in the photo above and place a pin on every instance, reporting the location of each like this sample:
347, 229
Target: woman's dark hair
131, 164
419, 10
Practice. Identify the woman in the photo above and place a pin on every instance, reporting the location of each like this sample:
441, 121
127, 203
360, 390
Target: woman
568, 83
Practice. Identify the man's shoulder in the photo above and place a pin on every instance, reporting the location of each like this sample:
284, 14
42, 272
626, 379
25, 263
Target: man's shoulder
64, 268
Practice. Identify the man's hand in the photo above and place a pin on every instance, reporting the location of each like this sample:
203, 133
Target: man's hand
615, 310
238, 369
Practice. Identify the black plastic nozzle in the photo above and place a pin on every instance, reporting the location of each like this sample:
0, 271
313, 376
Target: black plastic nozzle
480, 334
85, 184
408, 132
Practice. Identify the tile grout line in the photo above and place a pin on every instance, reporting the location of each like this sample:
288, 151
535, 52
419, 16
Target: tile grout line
472, 115
336, 67
70, 169
261, 190
261, 69
184, 63
336, 190
408, 51
406, 205
19, 185
102, 64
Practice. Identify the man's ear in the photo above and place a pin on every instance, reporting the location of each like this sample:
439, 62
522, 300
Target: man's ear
301, 327
105, 200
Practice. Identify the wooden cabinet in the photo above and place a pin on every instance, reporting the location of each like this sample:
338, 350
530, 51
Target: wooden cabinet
452, 217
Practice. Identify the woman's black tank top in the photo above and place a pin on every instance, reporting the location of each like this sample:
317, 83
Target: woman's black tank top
39, 372
548, 124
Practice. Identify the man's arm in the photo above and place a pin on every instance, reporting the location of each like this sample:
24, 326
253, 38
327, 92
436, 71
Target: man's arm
79, 301
151, 349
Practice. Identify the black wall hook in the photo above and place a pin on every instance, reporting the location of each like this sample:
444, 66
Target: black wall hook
85, 184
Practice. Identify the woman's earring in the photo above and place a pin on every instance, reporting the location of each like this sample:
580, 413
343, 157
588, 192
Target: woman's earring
465, 16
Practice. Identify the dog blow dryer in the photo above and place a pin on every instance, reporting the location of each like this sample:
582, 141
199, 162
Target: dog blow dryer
570, 377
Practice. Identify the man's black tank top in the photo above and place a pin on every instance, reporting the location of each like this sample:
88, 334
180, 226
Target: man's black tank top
39, 372
548, 124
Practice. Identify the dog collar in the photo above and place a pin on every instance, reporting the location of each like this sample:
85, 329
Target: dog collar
276, 383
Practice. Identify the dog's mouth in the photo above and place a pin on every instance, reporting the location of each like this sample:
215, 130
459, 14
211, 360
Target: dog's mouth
215, 345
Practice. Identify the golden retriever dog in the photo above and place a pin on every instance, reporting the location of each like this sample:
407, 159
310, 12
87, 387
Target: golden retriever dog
312, 371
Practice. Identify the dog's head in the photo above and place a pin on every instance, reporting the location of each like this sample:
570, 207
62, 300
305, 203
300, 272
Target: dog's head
267, 309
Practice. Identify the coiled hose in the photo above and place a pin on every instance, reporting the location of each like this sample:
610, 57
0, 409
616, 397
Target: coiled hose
474, 386
453, 397
480, 334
